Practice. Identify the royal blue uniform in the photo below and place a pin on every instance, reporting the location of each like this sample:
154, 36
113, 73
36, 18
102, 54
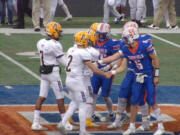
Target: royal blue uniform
106, 49
141, 63
126, 86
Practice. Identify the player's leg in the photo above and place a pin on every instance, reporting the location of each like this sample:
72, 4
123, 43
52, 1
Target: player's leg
151, 92
44, 87
65, 9
139, 12
136, 93
89, 93
57, 87
172, 15
106, 89
143, 18
53, 8
144, 108
117, 15
133, 6
96, 84
123, 9
106, 12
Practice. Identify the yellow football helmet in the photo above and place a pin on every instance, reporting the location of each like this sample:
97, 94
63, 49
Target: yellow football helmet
82, 38
93, 37
94, 26
53, 29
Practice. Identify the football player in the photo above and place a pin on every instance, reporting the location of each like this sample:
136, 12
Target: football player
78, 59
51, 55
140, 54
107, 47
125, 90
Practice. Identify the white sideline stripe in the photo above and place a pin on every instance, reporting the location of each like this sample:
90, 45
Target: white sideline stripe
166, 41
8, 87
24, 68
99, 105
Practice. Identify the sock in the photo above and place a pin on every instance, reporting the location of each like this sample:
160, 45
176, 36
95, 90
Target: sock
89, 110
157, 113
36, 116
82, 116
72, 108
132, 125
95, 96
109, 104
160, 126
118, 119
62, 115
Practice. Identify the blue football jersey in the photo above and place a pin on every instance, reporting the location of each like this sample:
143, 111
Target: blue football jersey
145, 38
139, 57
108, 48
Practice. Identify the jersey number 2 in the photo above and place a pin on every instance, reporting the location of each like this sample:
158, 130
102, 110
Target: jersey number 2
68, 69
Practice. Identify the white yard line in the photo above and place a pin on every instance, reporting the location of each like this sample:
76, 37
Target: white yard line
166, 41
24, 68
9, 31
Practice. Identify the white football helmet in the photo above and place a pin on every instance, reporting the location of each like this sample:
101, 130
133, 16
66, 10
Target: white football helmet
130, 34
130, 24
103, 32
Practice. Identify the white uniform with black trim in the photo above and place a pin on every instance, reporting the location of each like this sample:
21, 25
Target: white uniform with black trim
136, 9
50, 51
88, 73
75, 73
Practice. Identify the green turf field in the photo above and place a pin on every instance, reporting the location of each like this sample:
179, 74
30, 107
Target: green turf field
18, 43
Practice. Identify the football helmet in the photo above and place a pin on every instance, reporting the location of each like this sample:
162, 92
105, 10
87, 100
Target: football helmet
54, 30
92, 37
94, 27
82, 38
103, 32
130, 34
130, 24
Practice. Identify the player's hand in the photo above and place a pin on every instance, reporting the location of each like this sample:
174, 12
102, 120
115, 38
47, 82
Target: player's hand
108, 75
156, 80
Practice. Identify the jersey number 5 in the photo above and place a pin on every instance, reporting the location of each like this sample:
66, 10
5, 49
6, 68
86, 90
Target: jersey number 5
68, 69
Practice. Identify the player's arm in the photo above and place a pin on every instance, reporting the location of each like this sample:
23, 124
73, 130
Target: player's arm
111, 58
155, 60
95, 69
121, 68
62, 59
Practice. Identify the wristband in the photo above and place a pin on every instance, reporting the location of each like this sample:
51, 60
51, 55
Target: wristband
156, 72
113, 72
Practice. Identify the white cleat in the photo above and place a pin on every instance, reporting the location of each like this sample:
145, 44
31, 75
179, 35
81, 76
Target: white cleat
159, 132
38, 127
68, 18
108, 118
129, 131
142, 129
69, 127
153, 27
96, 116
114, 125
61, 128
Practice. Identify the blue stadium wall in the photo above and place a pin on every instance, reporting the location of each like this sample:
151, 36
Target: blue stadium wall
94, 8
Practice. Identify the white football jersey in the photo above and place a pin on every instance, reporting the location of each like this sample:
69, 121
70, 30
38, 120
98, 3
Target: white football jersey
76, 58
49, 51
94, 53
